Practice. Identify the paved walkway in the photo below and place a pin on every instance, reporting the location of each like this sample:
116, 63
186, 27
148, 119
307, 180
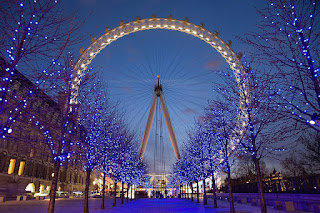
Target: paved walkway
157, 206
75, 205
183, 206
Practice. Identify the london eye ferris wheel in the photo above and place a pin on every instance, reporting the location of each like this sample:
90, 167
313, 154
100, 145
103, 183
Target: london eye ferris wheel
185, 65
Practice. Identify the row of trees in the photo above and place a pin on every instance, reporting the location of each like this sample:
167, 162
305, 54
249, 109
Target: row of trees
109, 146
36, 38
219, 139
39, 39
283, 99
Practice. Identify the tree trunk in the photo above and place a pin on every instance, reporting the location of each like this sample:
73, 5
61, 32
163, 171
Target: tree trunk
205, 202
230, 191
131, 193
54, 185
115, 194
103, 190
187, 192
191, 191
214, 193
86, 191
260, 185
128, 186
197, 192
122, 194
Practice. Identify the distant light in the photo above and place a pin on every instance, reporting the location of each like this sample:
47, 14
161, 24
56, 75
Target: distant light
314, 117
9, 131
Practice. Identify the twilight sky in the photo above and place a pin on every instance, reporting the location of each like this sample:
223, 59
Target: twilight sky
185, 64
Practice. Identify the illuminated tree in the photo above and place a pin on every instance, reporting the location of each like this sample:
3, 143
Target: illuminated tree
120, 154
115, 140
107, 149
94, 108
265, 128
288, 41
226, 135
198, 150
109, 123
172, 179
112, 161
62, 138
139, 176
192, 165
206, 130
135, 169
185, 170
129, 159
35, 35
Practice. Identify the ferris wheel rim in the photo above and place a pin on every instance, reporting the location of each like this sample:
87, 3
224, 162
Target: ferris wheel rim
169, 23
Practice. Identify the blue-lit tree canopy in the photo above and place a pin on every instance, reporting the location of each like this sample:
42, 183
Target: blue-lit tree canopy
287, 42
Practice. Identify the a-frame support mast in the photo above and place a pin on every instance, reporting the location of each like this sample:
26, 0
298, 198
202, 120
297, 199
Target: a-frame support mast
146, 134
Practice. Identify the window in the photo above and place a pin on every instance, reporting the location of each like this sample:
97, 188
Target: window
3, 160
11, 166
37, 170
44, 171
21, 167
29, 169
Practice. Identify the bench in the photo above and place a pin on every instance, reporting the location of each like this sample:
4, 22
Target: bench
243, 200
19, 198
23, 197
255, 202
40, 198
288, 206
277, 205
